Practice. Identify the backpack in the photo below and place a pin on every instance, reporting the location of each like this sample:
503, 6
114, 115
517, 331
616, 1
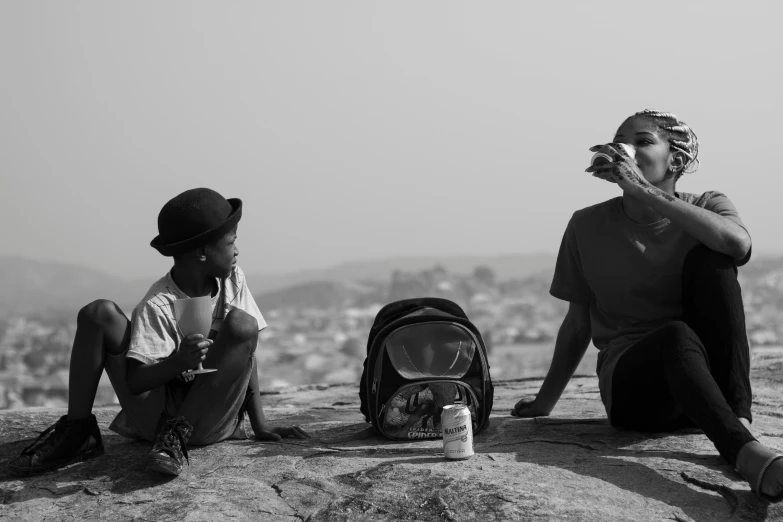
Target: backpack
423, 354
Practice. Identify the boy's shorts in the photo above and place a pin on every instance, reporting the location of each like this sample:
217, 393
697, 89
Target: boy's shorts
141, 414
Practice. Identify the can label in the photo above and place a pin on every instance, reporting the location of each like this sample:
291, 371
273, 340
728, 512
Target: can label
457, 432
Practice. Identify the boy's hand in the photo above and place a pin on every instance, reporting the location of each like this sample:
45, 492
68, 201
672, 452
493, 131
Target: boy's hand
192, 350
528, 408
275, 434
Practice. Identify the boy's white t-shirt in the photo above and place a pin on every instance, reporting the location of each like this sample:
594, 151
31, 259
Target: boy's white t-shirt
154, 332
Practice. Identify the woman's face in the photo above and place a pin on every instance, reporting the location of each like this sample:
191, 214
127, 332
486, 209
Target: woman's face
653, 155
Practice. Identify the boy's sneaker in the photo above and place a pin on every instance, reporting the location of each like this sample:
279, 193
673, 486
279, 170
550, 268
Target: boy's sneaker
63, 443
170, 447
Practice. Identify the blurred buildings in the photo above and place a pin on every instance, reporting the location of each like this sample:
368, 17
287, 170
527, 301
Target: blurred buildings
318, 332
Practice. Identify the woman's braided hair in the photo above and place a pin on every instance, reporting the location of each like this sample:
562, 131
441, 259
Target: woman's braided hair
680, 136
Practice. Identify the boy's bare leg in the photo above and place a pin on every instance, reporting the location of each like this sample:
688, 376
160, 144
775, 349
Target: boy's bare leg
212, 404
101, 328
215, 399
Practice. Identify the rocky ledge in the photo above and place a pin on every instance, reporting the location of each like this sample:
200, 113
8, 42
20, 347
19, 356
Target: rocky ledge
571, 465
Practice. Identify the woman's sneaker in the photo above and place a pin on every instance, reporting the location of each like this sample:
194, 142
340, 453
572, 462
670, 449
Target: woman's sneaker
170, 447
63, 443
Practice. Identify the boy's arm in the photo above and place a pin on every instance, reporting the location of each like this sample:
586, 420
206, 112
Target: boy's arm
255, 411
143, 377
573, 338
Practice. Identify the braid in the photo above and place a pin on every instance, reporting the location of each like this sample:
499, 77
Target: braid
680, 136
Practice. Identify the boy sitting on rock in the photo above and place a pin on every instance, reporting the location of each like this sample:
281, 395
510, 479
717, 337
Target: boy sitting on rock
147, 358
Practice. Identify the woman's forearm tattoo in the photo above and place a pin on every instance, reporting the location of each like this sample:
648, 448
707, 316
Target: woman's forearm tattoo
634, 178
659, 192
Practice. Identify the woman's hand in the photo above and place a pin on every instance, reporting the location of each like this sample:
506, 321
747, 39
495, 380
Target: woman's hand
623, 170
528, 408
275, 434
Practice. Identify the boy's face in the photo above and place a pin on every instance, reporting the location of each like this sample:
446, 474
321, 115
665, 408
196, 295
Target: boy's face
222, 256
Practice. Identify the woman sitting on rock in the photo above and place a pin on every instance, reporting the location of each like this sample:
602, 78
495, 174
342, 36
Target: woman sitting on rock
651, 276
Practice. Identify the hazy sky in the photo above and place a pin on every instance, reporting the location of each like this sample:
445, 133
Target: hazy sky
365, 129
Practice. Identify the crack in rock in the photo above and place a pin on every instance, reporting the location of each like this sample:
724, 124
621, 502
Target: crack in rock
279, 492
224, 467
546, 441
559, 422
724, 491
278, 514
445, 509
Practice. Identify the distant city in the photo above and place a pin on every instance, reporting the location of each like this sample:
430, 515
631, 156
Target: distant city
318, 330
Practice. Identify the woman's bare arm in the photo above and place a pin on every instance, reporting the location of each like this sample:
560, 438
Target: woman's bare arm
573, 338
714, 231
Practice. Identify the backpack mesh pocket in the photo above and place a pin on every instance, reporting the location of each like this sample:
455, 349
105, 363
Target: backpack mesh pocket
414, 410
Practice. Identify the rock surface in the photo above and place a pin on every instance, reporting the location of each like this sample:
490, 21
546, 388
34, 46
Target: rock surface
571, 465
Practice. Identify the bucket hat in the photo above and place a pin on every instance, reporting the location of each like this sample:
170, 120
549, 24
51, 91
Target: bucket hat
193, 219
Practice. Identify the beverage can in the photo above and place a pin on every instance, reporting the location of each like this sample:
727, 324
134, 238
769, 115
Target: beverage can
457, 429
602, 158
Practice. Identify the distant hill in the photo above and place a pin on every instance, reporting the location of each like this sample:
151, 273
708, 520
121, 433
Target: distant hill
48, 287
322, 294
42, 286
506, 266
373, 282
32, 286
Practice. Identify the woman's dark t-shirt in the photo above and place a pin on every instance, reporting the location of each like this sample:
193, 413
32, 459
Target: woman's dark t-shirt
629, 274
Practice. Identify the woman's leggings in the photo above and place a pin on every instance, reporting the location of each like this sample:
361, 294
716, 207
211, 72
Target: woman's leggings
695, 371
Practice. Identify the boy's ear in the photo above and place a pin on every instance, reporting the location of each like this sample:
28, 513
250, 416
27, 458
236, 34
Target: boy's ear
201, 253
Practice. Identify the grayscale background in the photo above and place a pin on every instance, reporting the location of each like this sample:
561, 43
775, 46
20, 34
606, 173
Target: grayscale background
364, 137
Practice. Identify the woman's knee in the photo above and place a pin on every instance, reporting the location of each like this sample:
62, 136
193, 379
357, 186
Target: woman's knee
700, 257
241, 325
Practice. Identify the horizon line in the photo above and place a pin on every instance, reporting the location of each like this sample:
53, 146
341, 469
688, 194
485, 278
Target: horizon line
756, 255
